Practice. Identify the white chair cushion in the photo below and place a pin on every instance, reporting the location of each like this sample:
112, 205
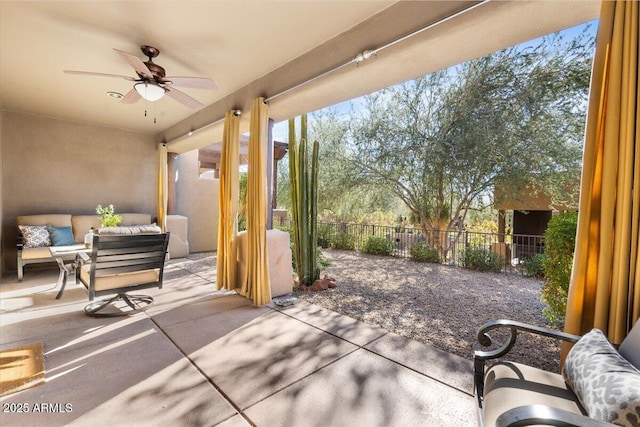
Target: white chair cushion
510, 385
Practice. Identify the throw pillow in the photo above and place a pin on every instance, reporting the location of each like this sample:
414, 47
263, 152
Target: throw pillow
132, 229
606, 384
35, 236
61, 236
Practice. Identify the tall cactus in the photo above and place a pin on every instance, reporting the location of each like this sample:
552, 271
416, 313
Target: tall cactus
304, 203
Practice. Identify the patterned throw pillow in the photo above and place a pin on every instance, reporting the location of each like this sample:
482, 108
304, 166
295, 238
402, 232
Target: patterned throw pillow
607, 385
35, 236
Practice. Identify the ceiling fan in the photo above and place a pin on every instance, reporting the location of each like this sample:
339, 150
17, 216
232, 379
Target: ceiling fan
151, 83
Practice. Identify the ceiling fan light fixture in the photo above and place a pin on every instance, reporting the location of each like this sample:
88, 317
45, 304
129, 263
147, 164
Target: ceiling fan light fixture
149, 91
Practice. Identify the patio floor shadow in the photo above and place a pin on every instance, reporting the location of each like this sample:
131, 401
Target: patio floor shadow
201, 357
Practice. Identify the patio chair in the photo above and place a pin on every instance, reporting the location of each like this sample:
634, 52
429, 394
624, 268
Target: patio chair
515, 394
119, 264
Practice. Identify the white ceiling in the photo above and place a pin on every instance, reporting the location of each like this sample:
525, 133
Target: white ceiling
249, 48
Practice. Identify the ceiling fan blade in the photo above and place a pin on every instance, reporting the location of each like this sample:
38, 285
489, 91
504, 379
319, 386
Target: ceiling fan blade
91, 73
131, 97
191, 82
184, 99
135, 62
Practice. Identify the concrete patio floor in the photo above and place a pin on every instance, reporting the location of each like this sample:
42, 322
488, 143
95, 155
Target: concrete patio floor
202, 357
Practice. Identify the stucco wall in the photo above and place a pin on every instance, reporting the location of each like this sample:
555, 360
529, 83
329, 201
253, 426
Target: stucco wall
197, 199
57, 166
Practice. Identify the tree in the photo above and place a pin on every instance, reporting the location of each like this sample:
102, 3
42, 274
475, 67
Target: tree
440, 142
342, 195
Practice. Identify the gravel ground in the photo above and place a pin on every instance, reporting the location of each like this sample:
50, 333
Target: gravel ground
438, 305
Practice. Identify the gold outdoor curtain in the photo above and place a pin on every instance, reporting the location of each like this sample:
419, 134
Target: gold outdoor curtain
228, 204
162, 187
257, 286
605, 283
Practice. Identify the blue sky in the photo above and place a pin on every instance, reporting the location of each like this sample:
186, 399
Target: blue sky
280, 130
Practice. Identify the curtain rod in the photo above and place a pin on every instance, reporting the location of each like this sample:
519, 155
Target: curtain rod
362, 56
237, 112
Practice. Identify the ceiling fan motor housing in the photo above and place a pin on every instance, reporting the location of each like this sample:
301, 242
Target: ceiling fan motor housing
156, 70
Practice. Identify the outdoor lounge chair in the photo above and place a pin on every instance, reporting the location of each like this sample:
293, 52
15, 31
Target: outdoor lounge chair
119, 264
599, 384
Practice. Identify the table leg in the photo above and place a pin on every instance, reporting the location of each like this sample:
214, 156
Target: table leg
62, 278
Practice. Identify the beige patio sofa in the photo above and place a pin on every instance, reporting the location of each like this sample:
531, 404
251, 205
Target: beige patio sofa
79, 224
599, 384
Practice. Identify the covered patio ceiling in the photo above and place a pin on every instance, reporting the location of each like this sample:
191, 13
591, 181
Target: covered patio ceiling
249, 49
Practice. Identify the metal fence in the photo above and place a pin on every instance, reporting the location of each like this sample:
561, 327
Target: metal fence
512, 250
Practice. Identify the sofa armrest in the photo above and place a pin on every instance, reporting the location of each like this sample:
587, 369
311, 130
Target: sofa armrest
545, 415
19, 242
514, 327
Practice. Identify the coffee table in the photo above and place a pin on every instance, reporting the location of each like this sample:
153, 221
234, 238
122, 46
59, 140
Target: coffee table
62, 254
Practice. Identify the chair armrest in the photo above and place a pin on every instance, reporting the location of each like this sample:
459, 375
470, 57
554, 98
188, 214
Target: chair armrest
545, 415
82, 257
480, 357
514, 326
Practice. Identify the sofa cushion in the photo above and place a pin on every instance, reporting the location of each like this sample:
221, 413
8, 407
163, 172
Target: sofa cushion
81, 224
61, 236
607, 385
42, 253
56, 220
510, 385
35, 236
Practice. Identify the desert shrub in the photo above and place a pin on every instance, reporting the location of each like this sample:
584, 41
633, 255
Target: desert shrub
343, 240
534, 266
377, 246
423, 252
321, 261
560, 240
324, 235
481, 259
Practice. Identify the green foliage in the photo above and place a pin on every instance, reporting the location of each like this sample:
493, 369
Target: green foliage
534, 266
423, 252
242, 203
108, 217
342, 194
481, 259
377, 246
324, 235
321, 261
343, 240
560, 239
440, 142
303, 181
